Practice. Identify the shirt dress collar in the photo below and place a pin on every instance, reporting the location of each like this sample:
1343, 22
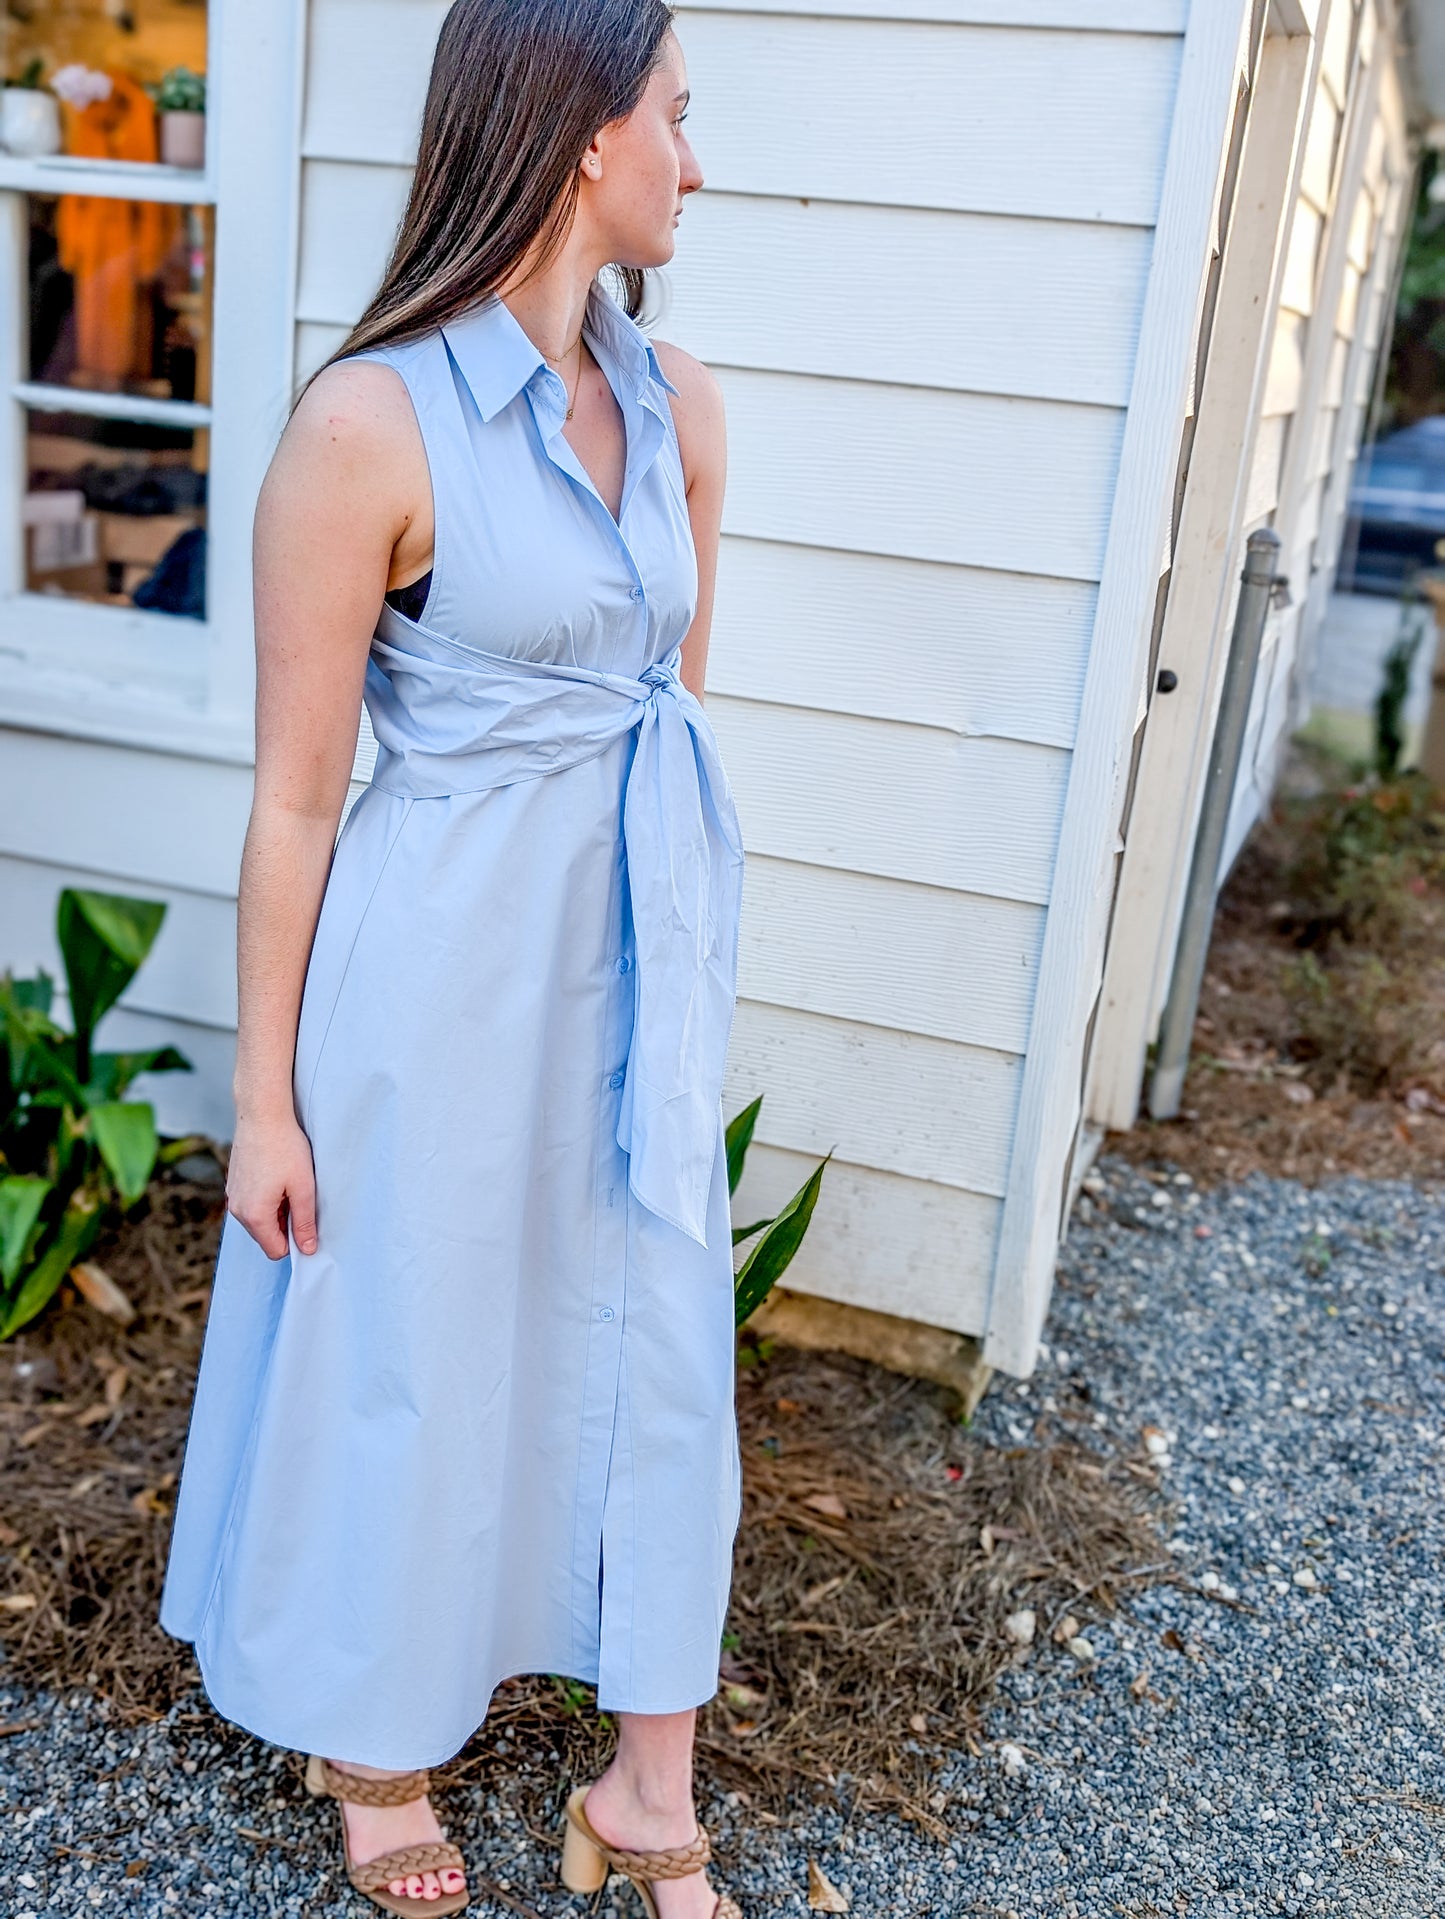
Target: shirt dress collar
498, 358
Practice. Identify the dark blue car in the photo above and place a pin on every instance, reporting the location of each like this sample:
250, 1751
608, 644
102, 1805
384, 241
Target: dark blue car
1397, 510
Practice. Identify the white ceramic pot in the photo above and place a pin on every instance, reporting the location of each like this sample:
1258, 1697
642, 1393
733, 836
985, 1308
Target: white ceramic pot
29, 121
183, 138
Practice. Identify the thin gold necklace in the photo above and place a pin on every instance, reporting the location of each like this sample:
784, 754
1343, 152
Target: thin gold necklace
572, 396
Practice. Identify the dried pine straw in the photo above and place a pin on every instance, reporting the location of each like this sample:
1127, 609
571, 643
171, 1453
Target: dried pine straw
866, 1624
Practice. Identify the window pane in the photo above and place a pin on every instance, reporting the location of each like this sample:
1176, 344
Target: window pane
126, 49
115, 512
120, 296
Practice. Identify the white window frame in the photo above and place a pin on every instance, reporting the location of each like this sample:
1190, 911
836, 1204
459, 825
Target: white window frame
115, 673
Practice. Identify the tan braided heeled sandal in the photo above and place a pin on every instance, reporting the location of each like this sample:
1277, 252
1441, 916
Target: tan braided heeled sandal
374, 1876
587, 1859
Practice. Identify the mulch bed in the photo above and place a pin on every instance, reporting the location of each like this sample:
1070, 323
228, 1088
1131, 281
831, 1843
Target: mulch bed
1272, 1088
882, 1545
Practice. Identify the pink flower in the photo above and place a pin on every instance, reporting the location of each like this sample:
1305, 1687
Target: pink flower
78, 86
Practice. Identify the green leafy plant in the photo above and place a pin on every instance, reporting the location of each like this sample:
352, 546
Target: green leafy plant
778, 1238
74, 1152
180, 91
29, 75
1394, 691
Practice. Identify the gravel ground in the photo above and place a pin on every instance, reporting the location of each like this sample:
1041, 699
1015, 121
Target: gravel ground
1266, 1741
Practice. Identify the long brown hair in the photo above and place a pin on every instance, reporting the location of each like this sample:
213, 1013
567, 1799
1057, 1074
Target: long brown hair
518, 89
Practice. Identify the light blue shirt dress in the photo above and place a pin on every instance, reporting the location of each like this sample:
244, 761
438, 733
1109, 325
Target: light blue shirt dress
488, 1427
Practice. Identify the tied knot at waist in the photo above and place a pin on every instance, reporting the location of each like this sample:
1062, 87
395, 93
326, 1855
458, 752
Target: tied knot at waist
451, 720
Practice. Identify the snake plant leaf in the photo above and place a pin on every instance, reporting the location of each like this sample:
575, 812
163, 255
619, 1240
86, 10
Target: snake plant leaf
79, 1227
21, 1197
103, 939
776, 1248
739, 1137
125, 1133
740, 1233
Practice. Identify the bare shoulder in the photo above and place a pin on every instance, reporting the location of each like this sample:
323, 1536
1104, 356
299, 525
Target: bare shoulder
697, 412
351, 456
354, 411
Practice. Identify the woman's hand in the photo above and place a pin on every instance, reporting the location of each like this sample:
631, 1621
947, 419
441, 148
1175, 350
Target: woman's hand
271, 1173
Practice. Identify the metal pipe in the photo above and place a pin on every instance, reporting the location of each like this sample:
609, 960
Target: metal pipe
1171, 1059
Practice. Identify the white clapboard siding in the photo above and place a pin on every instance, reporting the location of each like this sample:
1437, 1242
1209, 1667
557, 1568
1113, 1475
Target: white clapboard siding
1108, 16
1300, 264
1335, 58
143, 817
1321, 144
1286, 367
314, 345
1348, 318
925, 406
977, 652
898, 1102
196, 1102
1362, 231
911, 803
1262, 490
1304, 529
190, 971
965, 477
984, 480
1334, 391
970, 301
880, 1240
749, 72
959, 966
367, 66
349, 217
983, 309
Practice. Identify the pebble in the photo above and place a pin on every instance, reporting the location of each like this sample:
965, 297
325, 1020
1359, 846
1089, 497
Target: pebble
1021, 1626
1273, 1758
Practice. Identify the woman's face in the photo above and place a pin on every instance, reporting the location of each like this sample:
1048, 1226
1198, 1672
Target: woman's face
638, 169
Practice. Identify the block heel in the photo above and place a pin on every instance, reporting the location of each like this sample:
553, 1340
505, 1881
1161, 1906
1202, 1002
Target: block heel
587, 1859
584, 1865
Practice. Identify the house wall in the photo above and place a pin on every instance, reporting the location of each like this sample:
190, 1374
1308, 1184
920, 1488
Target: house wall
925, 327
1350, 225
1284, 413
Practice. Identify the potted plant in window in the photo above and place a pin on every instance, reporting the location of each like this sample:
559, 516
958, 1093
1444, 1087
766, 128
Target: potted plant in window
181, 102
29, 113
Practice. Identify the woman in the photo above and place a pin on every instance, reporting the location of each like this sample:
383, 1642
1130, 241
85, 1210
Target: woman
466, 1402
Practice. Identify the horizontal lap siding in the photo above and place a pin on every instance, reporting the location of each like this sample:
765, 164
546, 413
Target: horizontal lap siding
169, 829
924, 324
1328, 436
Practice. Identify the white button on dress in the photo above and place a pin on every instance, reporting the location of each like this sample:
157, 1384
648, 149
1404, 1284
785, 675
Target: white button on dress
488, 1426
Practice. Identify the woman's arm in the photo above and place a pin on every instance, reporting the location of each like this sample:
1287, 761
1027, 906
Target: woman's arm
697, 413
345, 504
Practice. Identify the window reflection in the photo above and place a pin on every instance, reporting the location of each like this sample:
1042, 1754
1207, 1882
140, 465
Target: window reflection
115, 512
135, 42
120, 294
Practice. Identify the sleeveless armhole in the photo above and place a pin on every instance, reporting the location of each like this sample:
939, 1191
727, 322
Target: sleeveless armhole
664, 399
405, 361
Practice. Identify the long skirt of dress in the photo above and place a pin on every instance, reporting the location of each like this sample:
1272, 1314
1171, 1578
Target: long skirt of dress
488, 1427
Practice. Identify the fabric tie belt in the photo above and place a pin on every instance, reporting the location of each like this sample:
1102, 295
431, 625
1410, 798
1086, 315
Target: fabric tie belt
451, 719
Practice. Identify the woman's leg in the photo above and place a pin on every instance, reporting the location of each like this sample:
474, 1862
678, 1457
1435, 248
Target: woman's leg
373, 1830
644, 1799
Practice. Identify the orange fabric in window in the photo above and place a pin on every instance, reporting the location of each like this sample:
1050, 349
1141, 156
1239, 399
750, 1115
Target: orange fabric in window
113, 248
